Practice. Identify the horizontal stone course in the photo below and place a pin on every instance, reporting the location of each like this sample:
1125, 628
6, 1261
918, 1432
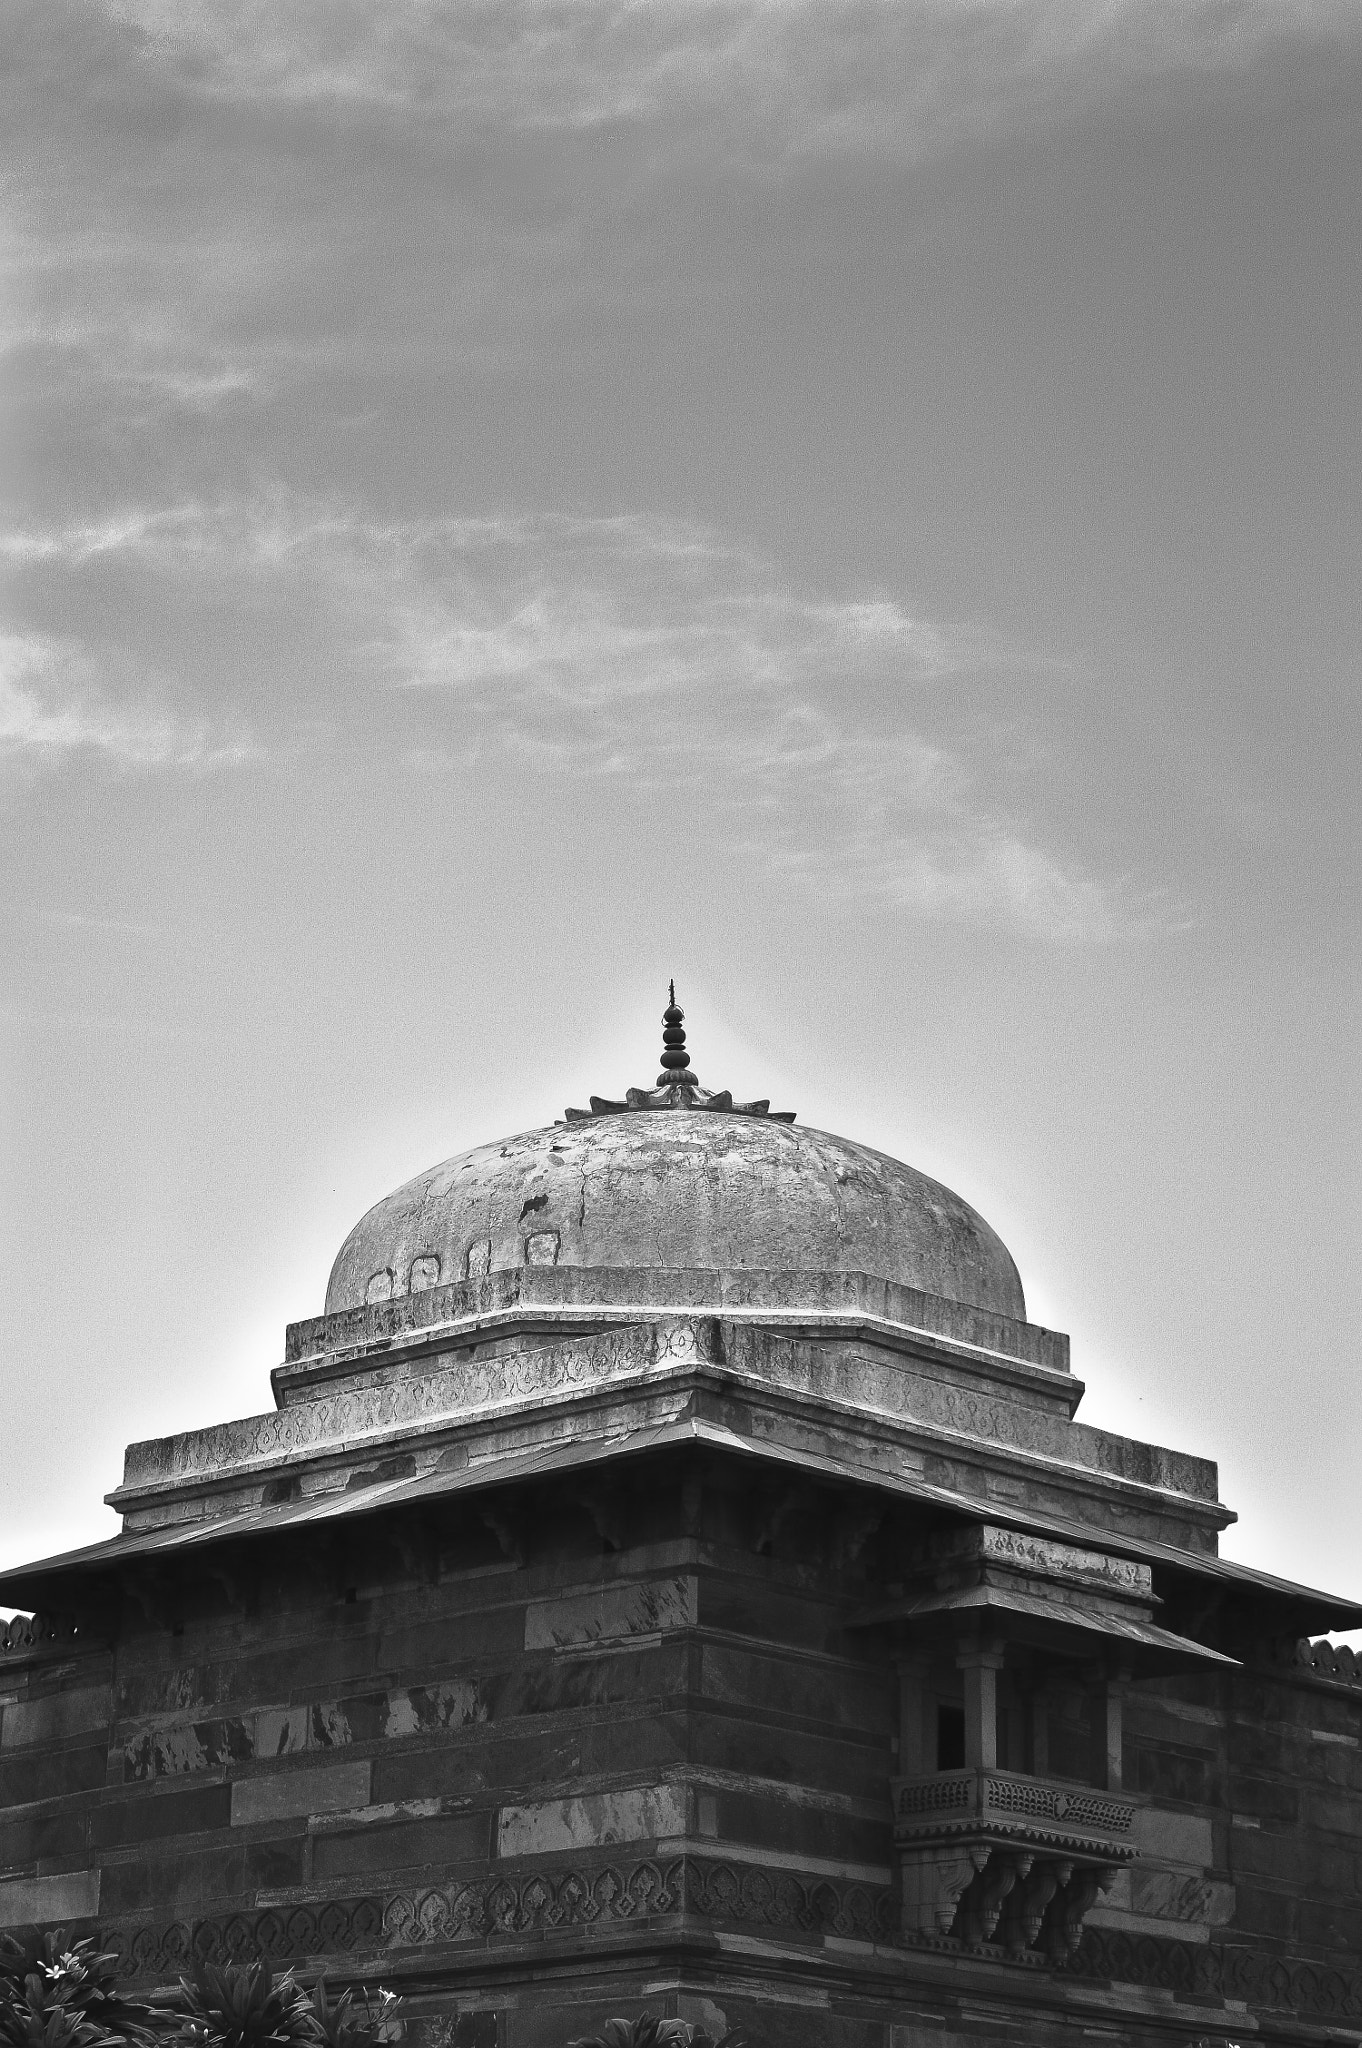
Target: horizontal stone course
53, 1716
317, 1662
49, 1901
645, 1607
486, 1635
635, 1814
801, 1829
156, 1815
52, 1774
758, 1679
36, 1836
183, 1748
197, 1879
1185, 1838
401, 1846
837, 1762
330, 1788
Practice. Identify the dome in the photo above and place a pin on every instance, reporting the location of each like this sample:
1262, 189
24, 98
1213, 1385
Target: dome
676, 1179
676, 1189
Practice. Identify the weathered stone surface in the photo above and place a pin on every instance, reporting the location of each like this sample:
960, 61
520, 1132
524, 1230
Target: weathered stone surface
329, 1789
641, 1813
39, 1773
58, 1714
1184, 1838
1176, 1895
609, 1612
49, 1901
402, 1846
152, 1816
694, 1190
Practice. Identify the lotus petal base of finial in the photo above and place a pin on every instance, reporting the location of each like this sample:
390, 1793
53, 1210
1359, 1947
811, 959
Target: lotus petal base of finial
678, 1092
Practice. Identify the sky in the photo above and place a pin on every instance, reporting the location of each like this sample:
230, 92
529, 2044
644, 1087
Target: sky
853, 506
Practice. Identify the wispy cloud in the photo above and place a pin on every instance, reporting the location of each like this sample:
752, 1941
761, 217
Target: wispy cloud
797, 76
55, 705
223, 200
805, 725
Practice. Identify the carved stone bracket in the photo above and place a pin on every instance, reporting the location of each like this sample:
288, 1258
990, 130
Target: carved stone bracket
934, 1882
995, 1857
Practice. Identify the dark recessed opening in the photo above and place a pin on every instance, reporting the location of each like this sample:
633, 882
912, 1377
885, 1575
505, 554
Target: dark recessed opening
950, 1738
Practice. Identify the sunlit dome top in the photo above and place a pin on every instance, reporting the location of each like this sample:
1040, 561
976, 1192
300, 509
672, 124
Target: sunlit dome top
676, 1178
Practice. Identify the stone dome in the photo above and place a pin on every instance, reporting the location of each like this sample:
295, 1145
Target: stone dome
666, 1188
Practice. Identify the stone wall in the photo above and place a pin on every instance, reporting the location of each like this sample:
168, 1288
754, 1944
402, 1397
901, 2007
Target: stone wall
579, 1755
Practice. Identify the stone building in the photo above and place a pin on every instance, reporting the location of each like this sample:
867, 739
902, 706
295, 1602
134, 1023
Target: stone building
672, 1577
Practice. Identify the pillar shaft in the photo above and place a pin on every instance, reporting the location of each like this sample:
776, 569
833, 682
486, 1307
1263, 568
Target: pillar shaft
917, 1722
981, 1664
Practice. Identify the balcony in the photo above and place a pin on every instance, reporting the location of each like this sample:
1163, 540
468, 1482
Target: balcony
992, 1856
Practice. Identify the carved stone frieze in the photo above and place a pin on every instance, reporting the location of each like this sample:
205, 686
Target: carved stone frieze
537, 1902
460, 1386
1010, 1807
1230, 1970
31, 1636
331, 1927
515, 1902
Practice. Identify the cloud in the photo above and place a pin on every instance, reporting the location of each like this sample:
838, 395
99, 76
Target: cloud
53, 707
803, 77
215, 202
805, 726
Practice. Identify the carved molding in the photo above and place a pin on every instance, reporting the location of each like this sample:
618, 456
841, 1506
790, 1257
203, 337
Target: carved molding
466, 1385
1219, 1970
280, 1934
27, 1637
1320, 1662
525, 1902
534, 1902
516, 1902
1037, 1813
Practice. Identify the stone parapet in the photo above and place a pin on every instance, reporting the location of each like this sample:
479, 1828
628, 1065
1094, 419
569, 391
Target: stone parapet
540, 1290
406, 1407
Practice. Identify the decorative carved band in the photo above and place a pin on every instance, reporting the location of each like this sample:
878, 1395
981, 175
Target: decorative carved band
1330, 1663
1219, 1970
525, 1902
937, 1795
280, 1934
1041, 1801
1035, 1809
528, 1902
37, 1635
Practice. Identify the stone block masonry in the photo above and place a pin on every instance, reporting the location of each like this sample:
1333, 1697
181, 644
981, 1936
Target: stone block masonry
695, 1740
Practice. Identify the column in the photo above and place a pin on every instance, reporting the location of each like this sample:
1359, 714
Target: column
981, 1660
1040, 1732
917, 1725
1117, 1681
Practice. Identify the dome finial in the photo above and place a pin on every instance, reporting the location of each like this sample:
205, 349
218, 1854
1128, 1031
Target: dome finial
675, 1058
678, 1085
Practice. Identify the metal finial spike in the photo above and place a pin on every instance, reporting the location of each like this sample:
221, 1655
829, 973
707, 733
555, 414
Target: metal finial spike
675, 1058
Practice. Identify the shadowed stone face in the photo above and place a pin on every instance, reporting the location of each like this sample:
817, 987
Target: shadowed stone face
676, 1190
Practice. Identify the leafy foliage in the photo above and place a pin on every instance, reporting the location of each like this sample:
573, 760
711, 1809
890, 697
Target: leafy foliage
243, 2005
650, 2032
54, 1996
356, 2022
